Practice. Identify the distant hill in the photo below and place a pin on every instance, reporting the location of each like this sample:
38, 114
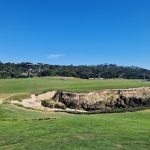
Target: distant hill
106, 71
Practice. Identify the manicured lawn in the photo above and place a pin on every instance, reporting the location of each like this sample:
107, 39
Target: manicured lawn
33, 85
125, 131
24, 129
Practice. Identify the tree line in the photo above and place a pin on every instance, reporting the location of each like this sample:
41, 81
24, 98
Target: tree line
107, 71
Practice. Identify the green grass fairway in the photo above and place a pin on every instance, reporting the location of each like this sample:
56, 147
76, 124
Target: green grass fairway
124, 131
9, 86
24, 129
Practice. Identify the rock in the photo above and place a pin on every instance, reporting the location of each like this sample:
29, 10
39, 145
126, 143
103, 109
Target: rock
100, 101
52, 104
105, 99
60, 105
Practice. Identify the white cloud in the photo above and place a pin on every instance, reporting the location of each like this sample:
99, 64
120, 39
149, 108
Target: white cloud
55, 56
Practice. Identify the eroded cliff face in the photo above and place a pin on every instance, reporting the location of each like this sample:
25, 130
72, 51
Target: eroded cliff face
101, 101
105, 99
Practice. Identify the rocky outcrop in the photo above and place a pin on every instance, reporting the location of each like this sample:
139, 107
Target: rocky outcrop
105, 99
101, 101
45, 96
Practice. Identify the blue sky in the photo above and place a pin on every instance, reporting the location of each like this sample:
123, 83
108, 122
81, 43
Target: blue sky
75, 31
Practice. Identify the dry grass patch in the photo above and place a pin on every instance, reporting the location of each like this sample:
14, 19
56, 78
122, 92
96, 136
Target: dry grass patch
3, 96
18, 97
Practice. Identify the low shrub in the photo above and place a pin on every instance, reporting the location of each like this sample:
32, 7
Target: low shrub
18, 97
52, 104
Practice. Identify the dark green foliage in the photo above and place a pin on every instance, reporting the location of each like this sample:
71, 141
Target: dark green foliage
23, 70
48, 103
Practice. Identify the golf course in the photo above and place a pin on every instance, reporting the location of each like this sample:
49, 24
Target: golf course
74, 75
22, 128
35, 85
